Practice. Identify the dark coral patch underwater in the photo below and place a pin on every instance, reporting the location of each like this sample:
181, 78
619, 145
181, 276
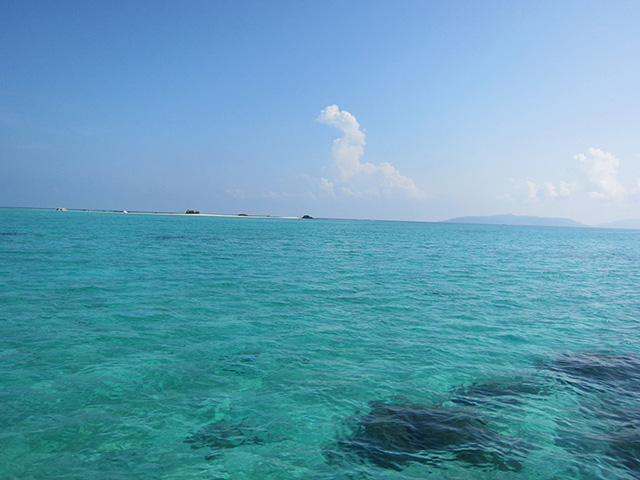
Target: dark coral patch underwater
610, 386
392, 435
624, 447
221, 435
499, 392
599, 371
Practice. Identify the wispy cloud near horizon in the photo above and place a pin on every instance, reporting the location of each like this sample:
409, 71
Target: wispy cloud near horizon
597, 179
353, 177
549, 190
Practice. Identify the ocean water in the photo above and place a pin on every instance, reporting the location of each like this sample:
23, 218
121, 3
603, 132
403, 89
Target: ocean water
183, 347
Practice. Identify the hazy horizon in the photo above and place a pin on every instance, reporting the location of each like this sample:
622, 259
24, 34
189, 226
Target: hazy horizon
406, 111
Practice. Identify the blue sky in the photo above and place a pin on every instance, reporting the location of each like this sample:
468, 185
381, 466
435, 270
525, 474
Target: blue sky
388, 110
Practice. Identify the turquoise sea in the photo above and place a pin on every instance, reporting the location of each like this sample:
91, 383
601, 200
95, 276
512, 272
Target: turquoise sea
184, 347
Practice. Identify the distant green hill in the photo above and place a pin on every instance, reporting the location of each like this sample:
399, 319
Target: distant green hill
518, 220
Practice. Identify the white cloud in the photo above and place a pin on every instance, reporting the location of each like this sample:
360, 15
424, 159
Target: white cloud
357, 178
320, 185
327, 186
350, 192
549, 190
599, 180
601, 169
235, 193
271, 195
532, 189
559, 190
275, 196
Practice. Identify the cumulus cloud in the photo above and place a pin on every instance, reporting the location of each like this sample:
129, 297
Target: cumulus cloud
327, 186
601, 169
354, 177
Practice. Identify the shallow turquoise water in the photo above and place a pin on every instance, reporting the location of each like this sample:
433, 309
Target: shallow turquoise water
175, 347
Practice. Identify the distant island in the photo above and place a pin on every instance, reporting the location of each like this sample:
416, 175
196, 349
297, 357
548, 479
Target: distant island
631, 224
518, 220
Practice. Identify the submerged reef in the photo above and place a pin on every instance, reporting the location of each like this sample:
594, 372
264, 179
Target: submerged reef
619, 444
624, 447
500, 392
219, 436
392, 435
599, 371
611, 383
